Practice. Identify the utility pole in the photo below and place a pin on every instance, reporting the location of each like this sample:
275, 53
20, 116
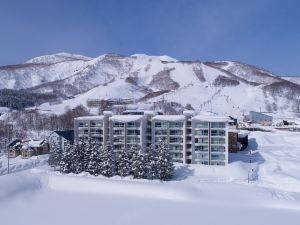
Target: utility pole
7, 156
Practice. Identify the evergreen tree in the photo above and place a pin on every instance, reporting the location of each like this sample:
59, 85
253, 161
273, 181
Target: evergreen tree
164, 162
66, 160
94, 164
139, 165
87, 146
77, 165
56, 154
152, 164
107, 161
124, 163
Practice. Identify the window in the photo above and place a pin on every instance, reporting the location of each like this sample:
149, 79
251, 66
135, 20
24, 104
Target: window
117, 124
201, 125
176, 140
217, 132
176, 132
96, 123
133, 132
201, 132
201, 148
201, 140
216, 148
118, 132
161, 132
133, 124
175, 124
217, 140
160, 124
217, 124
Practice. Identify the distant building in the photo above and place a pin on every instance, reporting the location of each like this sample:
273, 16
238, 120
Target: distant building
14, 148
34, 147
257, 117
61, 138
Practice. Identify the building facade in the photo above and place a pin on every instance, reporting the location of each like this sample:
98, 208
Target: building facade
209, 140
61, 138
190, 138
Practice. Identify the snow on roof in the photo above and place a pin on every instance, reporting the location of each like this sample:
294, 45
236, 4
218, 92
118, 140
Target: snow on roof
210, 118
126, 118
169, 117
243, 133
189, 112
90, 118
233, 130
34, 143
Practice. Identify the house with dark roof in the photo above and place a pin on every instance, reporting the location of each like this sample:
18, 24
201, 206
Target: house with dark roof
14, 148
61, 138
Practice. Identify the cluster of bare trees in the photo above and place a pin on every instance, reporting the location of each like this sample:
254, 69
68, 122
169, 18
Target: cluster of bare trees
19, 123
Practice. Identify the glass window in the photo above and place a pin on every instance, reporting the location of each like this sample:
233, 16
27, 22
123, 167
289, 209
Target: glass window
217, 125
201, 125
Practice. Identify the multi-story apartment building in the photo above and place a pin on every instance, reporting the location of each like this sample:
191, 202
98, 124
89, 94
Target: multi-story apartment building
209, 140
95, 127
190, 138
172, 130
127, 131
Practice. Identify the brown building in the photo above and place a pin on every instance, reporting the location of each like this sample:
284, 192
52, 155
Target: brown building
14, 148
233, 145
34, 147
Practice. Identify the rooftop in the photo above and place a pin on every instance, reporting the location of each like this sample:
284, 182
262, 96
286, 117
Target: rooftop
126, 118
169, 117
210, 118
90, 117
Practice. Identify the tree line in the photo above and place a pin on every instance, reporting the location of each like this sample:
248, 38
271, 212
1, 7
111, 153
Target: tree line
88, 156
20, 99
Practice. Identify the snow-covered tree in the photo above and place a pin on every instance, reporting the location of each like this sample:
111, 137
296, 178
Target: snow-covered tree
94, 164
139, 165
77, 165
107, 161
56, 154
124, 163
152, 166
165, 165
66, 160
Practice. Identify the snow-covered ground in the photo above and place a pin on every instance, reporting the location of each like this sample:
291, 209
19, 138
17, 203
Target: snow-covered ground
197, 194
18, 164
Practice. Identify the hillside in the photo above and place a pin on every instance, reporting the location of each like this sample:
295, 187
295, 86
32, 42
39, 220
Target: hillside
225, 87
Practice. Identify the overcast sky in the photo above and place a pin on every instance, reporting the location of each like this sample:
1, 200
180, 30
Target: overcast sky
265, 33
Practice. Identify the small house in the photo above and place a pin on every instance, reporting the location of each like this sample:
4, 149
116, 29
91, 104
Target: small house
14, 148
34, 147
61, 138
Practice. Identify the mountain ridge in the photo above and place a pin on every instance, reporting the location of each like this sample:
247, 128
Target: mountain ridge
229, 86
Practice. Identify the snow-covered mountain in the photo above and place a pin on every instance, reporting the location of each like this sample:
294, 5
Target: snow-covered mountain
225, 87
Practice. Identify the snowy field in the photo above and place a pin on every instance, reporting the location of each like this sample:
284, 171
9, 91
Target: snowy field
197, 194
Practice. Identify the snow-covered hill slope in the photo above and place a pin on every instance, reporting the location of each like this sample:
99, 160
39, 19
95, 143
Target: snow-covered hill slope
225, 87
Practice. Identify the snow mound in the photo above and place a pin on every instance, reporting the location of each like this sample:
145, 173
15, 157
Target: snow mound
123, 187
16, 184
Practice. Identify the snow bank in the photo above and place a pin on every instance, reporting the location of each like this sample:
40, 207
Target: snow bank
15, 184
106, 186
